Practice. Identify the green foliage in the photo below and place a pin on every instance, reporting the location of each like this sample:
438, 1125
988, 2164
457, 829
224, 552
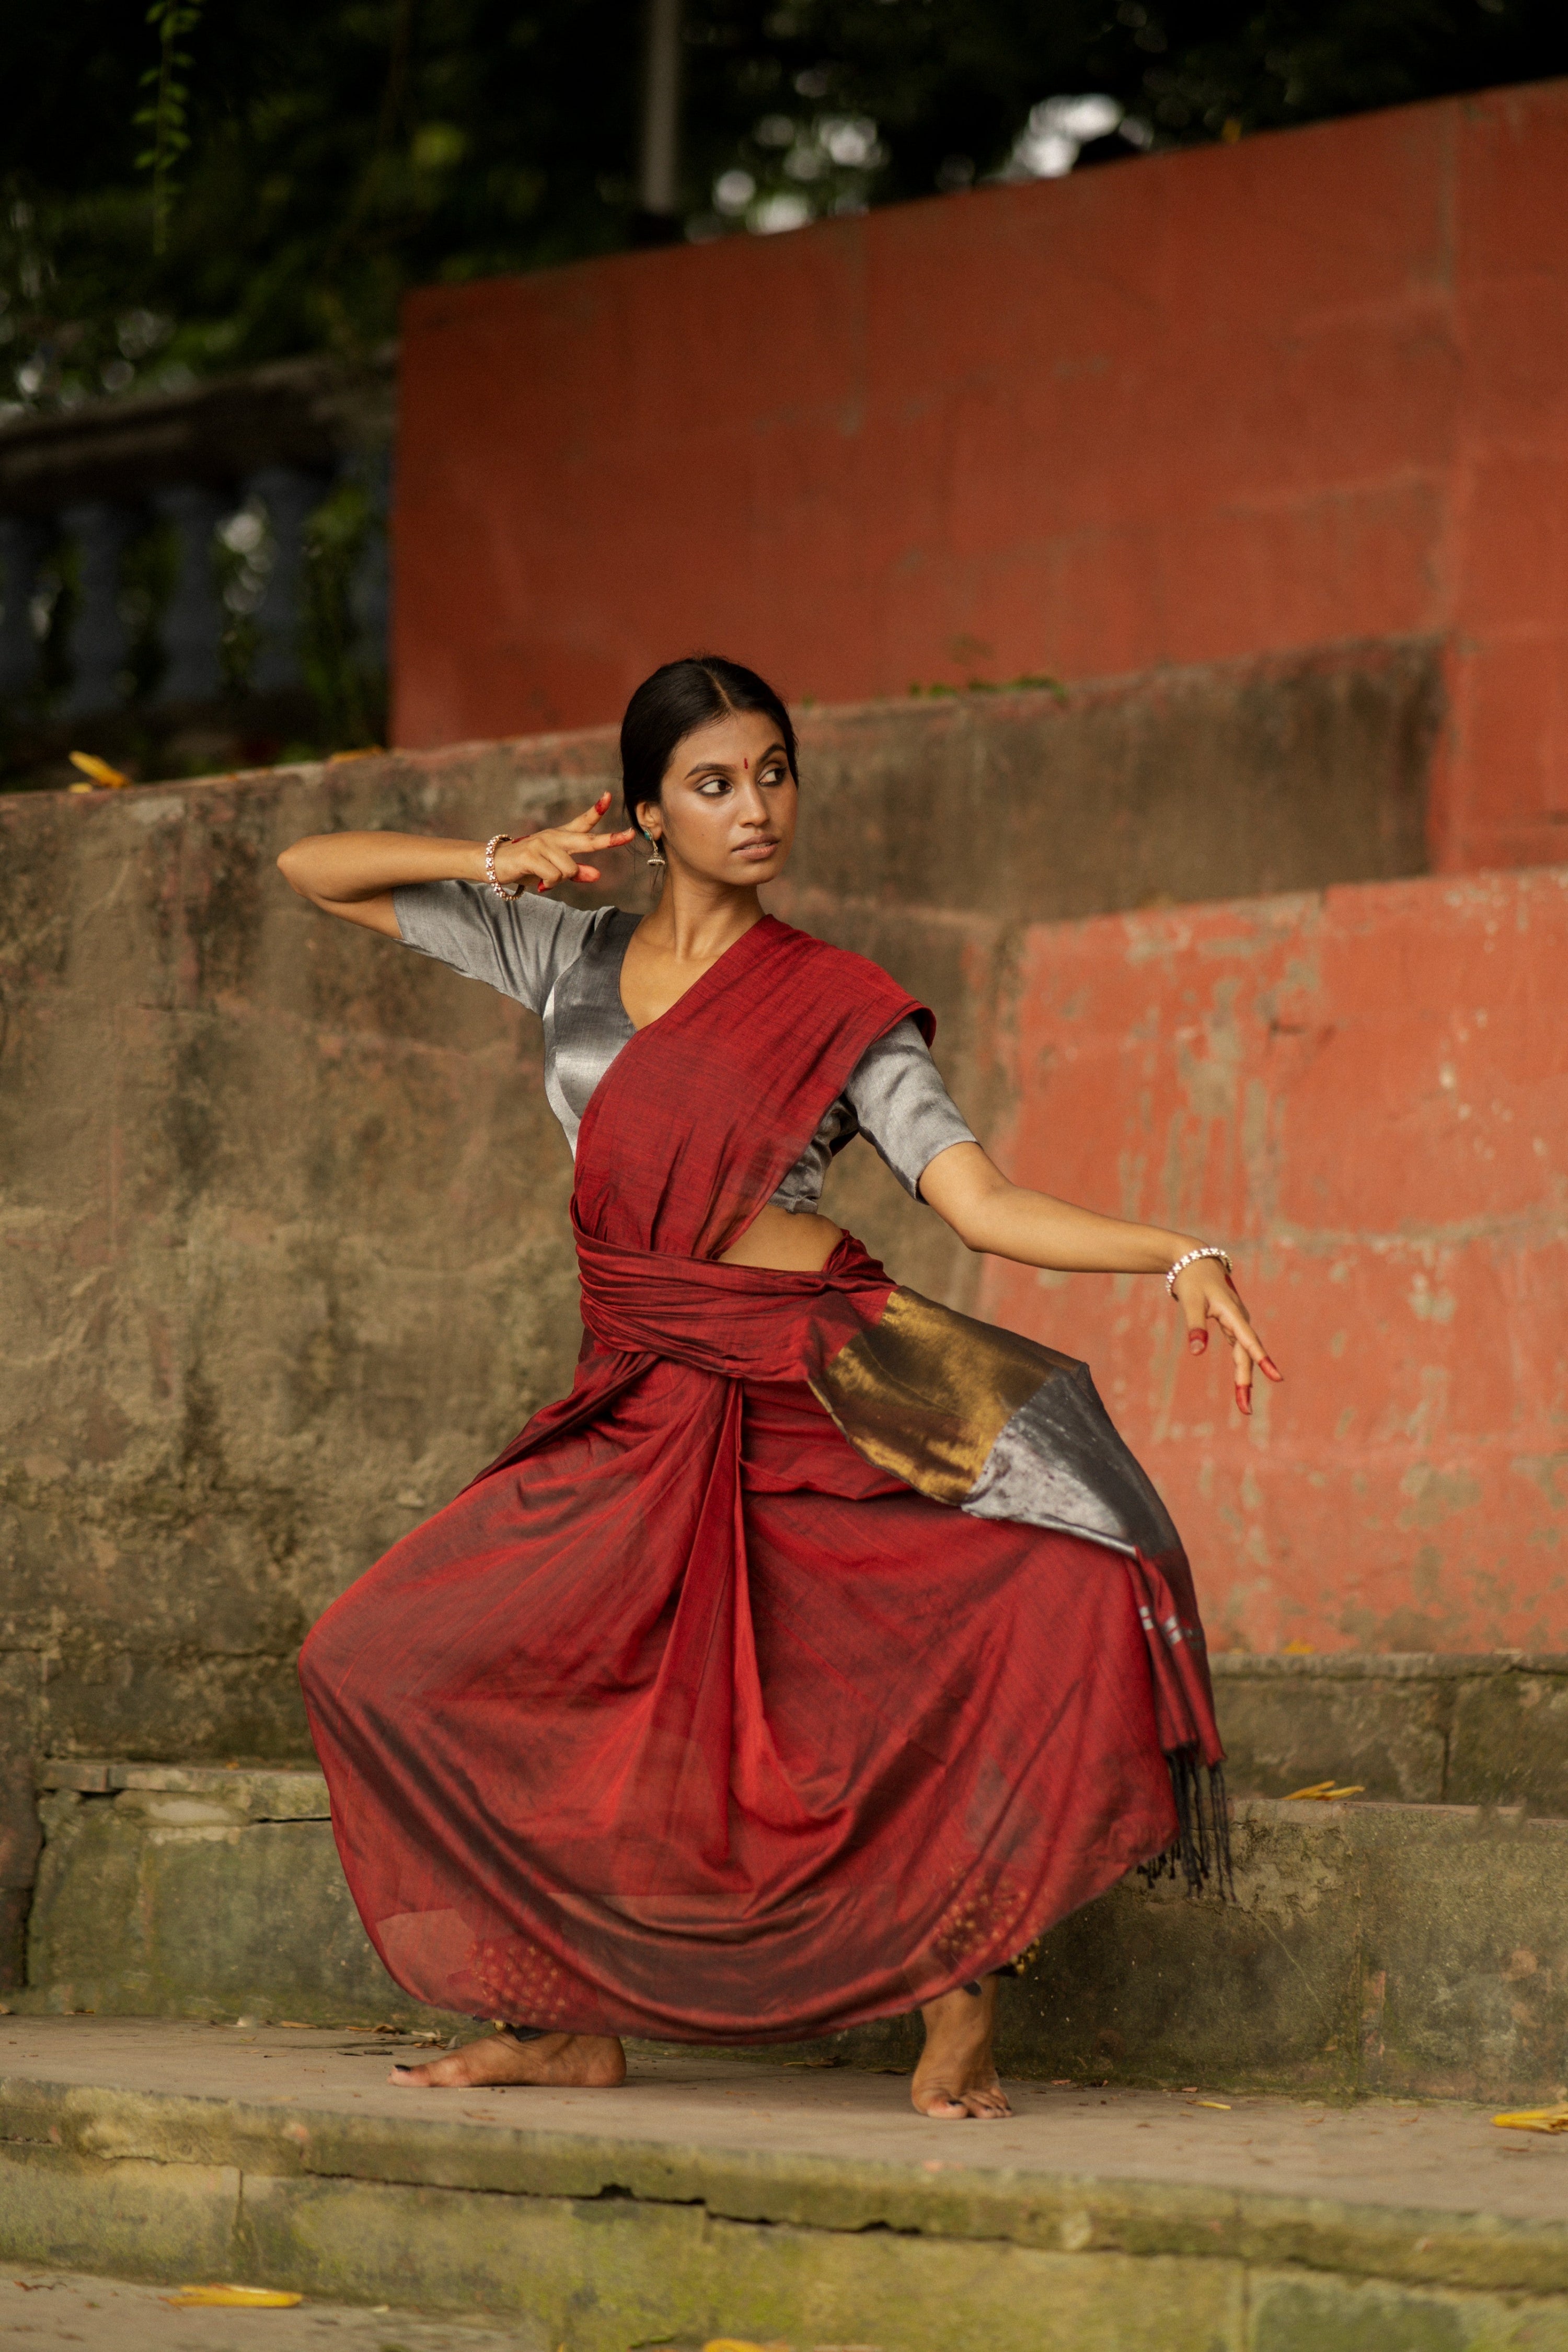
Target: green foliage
215, 187
165, 116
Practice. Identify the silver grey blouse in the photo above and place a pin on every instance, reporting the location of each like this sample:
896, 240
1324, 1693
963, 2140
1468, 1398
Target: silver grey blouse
565, 965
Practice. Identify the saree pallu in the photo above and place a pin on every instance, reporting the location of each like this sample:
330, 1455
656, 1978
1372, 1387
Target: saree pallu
816, 1654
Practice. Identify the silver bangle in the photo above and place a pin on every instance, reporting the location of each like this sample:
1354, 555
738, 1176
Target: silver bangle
491, 845
1208, 1250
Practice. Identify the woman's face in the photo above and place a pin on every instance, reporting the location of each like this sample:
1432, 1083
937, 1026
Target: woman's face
728, 809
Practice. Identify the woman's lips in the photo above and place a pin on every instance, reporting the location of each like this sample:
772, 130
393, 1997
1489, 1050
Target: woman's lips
756, 850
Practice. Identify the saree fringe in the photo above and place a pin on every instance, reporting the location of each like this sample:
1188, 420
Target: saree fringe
1200, 1851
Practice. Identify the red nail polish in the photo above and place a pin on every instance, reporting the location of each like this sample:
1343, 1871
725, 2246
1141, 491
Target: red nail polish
1196, 1342
1272, 1369
1243, 1400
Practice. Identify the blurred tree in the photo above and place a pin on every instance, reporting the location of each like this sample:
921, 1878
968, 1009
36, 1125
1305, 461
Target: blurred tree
341, 150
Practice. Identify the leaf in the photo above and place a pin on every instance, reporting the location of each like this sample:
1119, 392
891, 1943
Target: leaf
1325, 1792
233, 2298
1541, 2119
99, 770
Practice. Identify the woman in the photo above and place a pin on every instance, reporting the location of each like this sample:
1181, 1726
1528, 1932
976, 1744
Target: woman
822, 1647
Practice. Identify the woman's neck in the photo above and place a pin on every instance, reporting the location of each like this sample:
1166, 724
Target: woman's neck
695, 919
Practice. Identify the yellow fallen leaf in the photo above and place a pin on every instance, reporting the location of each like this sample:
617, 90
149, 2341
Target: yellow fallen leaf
1325, 1792
740, 2344
1300, 1650
365, 752
235, 2298
99, 770
1215, 2103
1546, 2119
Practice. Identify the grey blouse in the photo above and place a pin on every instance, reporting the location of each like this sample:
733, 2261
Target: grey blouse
565, 965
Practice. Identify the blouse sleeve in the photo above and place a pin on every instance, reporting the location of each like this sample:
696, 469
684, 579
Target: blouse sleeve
521, 946
902, 1105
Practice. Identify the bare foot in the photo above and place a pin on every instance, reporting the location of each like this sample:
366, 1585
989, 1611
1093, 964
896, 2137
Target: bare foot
957, 2076
584, 2061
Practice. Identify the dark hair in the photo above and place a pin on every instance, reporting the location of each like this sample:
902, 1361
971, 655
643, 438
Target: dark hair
678, 697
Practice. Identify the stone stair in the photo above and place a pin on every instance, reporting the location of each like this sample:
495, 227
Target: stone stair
1424, 1728
801, 2207
1411, 1941
1241, 2127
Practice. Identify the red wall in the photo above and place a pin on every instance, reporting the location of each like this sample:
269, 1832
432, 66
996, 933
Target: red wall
1310, 388
1366, 1095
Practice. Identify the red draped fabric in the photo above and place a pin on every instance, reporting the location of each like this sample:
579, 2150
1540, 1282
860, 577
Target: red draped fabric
684, 1719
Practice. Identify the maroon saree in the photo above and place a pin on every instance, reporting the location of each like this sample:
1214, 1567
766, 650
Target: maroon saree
729, 1703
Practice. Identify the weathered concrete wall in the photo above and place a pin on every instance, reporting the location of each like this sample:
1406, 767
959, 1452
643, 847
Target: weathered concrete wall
1241, 400
285, 1242
1367, 1093
284, 1217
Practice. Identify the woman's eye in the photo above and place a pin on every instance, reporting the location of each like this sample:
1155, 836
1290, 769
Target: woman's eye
712, 786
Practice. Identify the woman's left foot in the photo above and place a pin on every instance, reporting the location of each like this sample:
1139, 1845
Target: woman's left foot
956, 2077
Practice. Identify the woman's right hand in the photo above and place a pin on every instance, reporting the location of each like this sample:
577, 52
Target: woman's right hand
556, 854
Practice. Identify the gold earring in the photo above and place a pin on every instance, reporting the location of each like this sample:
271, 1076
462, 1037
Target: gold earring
657, 857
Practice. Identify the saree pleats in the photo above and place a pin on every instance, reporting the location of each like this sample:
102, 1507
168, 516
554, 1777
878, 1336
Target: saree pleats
756, 1759
692, 1717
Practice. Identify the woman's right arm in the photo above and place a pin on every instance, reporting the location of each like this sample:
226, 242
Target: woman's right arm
354, 874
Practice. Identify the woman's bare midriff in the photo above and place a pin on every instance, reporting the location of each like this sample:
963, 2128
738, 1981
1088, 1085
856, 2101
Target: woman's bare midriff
789, 1245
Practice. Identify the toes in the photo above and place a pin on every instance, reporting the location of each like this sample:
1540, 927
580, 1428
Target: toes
943, 2106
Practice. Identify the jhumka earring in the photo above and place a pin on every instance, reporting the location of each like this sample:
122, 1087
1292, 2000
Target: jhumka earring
657, 860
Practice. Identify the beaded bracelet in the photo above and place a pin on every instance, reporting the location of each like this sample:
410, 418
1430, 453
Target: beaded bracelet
1208, 1250
491, 845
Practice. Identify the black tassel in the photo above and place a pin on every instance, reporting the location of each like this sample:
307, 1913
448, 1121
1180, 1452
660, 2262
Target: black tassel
1201, 1852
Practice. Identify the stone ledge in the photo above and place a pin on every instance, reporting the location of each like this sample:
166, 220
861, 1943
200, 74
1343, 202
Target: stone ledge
1382, 1667
315, 2147
1416, 1728
1371, 1947
262, 1793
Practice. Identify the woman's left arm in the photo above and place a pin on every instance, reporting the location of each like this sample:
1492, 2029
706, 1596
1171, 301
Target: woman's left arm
1004, 1220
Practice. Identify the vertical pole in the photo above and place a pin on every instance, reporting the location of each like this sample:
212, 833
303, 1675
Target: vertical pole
369, 590
290, 498
658, 173
100, 641
192, 622
21, 545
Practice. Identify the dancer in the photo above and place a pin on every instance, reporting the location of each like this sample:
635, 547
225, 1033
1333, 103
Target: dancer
824, 1647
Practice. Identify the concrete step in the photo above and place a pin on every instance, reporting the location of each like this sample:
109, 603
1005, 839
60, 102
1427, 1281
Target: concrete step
1371, 1947
1418, 1728
195, 1891
807, 2206
111, 2315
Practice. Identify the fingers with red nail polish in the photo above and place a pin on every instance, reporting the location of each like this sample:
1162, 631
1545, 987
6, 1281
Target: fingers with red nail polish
1196, 1342
1272, 1369
1244, 1401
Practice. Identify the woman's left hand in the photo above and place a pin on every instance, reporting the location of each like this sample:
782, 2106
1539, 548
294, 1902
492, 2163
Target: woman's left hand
1205, 1294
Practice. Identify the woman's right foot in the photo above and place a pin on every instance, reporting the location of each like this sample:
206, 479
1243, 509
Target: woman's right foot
589, 2062
956, 2078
